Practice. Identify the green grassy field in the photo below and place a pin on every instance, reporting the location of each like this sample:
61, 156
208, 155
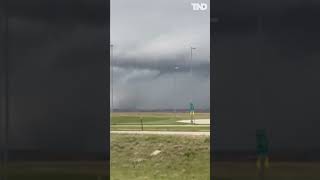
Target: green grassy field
154, 121
159, 118
181, 157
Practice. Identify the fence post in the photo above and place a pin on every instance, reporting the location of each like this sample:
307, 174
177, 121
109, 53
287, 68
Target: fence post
141, 122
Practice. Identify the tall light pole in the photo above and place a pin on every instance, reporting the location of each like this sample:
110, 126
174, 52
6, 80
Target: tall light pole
139, 115
191, 72
175, 91
111, 66
191, 76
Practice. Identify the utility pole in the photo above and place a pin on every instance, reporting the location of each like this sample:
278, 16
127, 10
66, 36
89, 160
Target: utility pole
191, 76
175, 91
191, 72
139, 115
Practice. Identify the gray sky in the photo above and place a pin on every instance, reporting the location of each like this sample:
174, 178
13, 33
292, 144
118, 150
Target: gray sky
150, 38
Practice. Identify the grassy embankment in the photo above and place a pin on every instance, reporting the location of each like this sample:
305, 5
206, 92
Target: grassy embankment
181, 157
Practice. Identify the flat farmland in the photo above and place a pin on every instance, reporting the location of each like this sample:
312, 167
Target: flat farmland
156, 121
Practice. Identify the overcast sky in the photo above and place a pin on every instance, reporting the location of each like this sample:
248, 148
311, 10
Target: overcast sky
150, 38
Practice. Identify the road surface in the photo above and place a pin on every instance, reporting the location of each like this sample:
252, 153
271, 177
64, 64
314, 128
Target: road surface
197, 121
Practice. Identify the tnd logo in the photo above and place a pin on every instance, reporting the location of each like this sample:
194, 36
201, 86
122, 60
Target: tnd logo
199, 6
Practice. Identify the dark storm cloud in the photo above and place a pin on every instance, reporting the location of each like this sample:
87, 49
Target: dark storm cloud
150, 39
165, 66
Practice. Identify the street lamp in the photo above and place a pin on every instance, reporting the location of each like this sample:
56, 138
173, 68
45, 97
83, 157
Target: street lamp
191, 72
175, 91
191, 76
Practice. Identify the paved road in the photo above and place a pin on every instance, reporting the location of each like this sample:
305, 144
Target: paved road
163, 133
197, 121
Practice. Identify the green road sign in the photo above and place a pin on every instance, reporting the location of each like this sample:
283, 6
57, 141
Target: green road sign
191, 107
262, 142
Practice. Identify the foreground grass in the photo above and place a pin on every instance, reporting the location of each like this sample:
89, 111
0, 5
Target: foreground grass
181, 157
